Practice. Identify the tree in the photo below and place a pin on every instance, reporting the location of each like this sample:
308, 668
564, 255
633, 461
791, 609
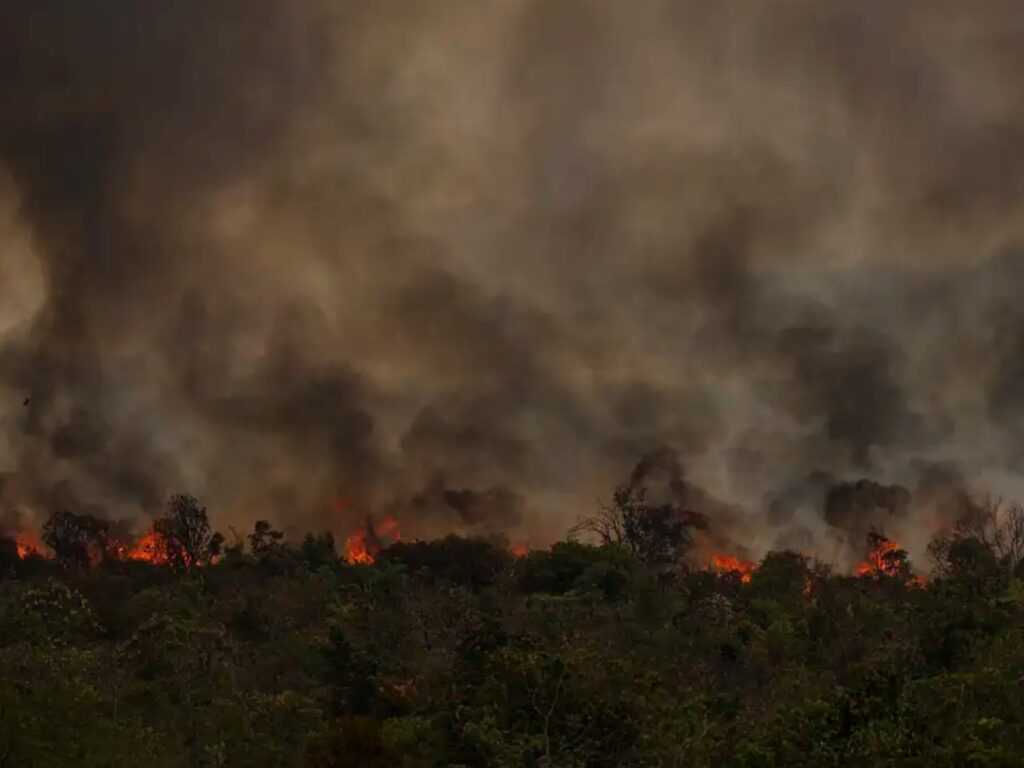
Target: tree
885, 558
75, 539
471, 562
655, 534
319, 550
572, 565
996, 526
186, 535
352, 676
264, 539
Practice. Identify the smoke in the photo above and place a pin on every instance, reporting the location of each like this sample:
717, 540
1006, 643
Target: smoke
277, 254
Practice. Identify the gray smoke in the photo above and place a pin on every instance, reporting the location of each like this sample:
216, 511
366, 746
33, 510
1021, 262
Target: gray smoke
278, 254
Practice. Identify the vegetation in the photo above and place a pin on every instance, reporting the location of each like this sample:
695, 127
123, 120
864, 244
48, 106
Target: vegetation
456, 653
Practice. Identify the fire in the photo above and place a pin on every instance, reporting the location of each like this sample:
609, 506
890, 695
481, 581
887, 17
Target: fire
883, 559
356, 550
361, 547
150, 548
520, 551
732, 564
886, 558
27, 543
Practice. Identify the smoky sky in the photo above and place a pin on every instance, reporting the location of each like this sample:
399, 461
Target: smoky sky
277, 254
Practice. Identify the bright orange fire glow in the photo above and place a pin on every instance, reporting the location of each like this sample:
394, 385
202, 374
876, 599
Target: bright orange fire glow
882, 560
150, 548
520, 551
732, 564
356, 551
887, 558
27, 543
361, 547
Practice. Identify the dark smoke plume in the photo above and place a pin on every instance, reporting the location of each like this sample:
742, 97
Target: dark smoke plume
280, 253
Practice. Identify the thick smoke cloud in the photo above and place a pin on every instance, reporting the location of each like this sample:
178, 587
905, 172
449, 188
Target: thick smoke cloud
417, 255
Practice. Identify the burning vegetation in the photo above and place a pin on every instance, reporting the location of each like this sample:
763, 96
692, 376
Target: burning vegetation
665, 534
362, 546
731, 564
575, 626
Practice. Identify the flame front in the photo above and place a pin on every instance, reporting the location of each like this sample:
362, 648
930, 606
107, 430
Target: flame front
356, 551
361, 547
732, 564
151, 548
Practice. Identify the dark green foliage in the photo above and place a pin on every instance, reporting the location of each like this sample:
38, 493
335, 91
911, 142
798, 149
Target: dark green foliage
351, 676
318, 551
571, 565
467, 562
453, 653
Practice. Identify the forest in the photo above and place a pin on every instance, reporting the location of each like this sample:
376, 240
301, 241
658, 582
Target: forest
188, 650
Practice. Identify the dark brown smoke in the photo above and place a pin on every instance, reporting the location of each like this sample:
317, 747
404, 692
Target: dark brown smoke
277, 254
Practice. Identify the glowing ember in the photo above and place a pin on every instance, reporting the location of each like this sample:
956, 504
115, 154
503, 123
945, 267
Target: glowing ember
361, 547
732, 564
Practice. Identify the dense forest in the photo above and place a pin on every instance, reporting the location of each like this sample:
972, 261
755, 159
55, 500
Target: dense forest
193, 651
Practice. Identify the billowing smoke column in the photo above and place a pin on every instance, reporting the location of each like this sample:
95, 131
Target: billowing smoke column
467, 262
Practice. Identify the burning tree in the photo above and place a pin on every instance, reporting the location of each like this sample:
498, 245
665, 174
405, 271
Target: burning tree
185, 534
885, 558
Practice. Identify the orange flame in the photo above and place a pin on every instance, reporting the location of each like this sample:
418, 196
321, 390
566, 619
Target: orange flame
28, 544
150, 548
883, 560
520, 551
361, 547
732, 564
880, 560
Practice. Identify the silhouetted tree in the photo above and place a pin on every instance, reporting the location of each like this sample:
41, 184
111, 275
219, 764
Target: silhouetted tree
655, 534
264, 539
185, 531
75, 539
995, 526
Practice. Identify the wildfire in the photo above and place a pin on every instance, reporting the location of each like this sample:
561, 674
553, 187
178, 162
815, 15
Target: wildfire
361, 547
732, 564
520, 551
883, 560
150, 548
886, 558
27, 543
